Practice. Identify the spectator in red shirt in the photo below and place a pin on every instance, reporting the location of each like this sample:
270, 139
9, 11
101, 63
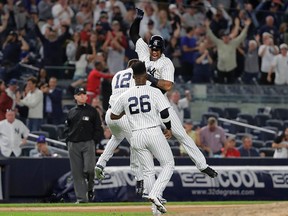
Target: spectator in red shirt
94, 80
229, 149
5, 101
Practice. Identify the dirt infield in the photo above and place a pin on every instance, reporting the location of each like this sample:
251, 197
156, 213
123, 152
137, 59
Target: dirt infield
273, 209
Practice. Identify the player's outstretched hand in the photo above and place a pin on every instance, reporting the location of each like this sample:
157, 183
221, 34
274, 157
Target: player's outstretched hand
168, 134
139, 13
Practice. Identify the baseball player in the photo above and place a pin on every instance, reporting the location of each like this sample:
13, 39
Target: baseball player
120, 129
142, 105
161, 75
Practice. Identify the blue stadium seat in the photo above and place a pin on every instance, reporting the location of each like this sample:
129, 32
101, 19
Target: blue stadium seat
269, 143
264, 136
218, 110
260, 119
207, 115
258, 144
51, 129
269, 152
231, 112
280, 113
275, 123
248, 117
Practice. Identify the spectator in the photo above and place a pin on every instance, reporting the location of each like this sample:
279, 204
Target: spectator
42, 149
34, 101
98, 8
94, 81
226, 51
71, 49
280, 144
52, 48
267, 51
174, 16
229, 150
165, 27
114, 46
6, 102
194, 134
251, 67
54, 103
42, 76
13, 134
212, 138
180, 104
246, 149
13, 47
45, 9
151, 30
202, 72
270, 28
62, 13
188, 44
84, 15
192, 17
280, 67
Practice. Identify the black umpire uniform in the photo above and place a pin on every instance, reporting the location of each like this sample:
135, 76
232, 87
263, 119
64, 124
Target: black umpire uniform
84, 130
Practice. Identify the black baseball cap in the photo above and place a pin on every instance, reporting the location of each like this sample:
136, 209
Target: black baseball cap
79, 90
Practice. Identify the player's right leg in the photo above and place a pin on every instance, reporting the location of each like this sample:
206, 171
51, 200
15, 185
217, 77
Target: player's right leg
193, 151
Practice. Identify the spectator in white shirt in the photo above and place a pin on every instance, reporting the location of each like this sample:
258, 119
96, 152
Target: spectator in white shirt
13, 134
266, 51
34, 101
62, 13
180, 104
280, 67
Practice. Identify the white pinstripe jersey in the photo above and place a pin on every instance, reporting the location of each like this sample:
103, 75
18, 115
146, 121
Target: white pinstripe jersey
142, 105
162, 68
121, 81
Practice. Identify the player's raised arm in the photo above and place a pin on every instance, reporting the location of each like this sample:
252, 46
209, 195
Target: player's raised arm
134, 29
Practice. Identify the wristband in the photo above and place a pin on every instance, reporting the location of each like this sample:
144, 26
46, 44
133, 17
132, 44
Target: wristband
152, 79
167, 125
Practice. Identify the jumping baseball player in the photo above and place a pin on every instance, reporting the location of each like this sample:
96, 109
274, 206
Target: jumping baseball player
161, 75
120, 129
142, 105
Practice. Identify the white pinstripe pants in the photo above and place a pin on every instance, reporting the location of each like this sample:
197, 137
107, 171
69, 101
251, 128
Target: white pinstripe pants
180, 134
148, 143
120, 130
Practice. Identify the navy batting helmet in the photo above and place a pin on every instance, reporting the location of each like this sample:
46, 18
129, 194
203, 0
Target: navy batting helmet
157, 42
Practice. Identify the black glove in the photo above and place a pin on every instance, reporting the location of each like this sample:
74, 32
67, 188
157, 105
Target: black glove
139, 13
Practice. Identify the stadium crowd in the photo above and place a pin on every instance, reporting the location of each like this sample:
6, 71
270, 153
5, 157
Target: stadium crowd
208, 41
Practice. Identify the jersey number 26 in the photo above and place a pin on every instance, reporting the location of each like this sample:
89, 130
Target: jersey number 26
139, 104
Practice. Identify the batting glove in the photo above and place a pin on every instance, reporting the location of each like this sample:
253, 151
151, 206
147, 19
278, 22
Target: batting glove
139, 13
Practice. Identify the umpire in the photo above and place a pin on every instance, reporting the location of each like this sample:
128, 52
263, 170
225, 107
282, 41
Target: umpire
84, 131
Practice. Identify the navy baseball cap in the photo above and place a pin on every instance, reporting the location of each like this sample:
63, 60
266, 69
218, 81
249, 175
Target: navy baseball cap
13, 82
41, 139
79, 90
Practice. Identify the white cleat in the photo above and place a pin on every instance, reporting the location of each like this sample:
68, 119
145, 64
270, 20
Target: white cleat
158, 204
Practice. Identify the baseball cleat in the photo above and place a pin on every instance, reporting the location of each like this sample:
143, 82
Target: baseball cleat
158, 204
139, 187
210, 172
99, 173
91, 196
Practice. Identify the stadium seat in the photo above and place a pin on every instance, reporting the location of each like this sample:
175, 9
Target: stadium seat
207, 115
231, 112
260, 119
238, 128
67, 107
275, 123
51, 129
258, 144
248, 117
238, 143
264, 136
285, 124
45, 133
280, 113
123, 151
269, 152
269, 143
175, 150
60, 130
216, 110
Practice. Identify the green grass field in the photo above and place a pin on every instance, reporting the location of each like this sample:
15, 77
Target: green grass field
65, 211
